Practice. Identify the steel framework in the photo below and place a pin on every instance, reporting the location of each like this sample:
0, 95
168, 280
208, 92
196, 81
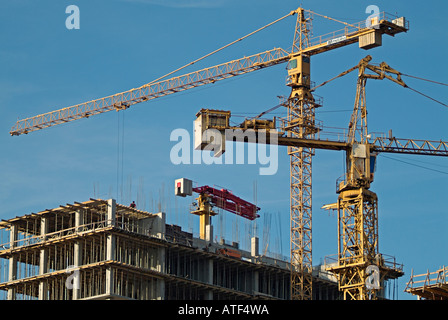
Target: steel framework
124, 100
224, 199
301, 198
300, 123
357, 206
358, 241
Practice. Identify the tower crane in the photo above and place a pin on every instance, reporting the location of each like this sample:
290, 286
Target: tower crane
301, 105
357, 206
368, 37
210, 197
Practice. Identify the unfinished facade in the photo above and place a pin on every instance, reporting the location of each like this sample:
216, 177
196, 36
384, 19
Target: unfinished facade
99, 249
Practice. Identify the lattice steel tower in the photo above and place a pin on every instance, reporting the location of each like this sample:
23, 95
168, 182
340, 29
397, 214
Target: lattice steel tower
301, 124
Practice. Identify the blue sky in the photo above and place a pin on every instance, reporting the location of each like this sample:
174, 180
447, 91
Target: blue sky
122, 44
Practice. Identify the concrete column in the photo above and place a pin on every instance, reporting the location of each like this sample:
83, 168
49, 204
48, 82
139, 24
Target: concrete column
254, 251
159, 226
78, 244
77, 250
158, 230
43, 257
109, 281
160, 294
110, 246
209, 278
111, 212
110, 255
161, 267
12, 271
79, 220
255, 281
254, 247
209, 233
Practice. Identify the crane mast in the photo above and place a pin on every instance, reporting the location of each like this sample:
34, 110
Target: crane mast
301, 124
357, 206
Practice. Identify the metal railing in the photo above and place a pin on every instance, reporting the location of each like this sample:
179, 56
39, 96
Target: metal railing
59, 234
351, 29
386, 260
428, 279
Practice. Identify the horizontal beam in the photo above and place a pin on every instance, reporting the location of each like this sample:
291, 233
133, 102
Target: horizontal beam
312, 143
252, 136
352, 33
124, 100
410, 146
226, 200
379, 145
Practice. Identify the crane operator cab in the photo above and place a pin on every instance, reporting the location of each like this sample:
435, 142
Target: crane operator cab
299, 72
361, 166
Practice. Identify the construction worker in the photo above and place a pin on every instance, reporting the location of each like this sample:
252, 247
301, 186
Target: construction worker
132, 205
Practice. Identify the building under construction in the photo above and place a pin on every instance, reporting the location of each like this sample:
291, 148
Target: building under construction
100, 249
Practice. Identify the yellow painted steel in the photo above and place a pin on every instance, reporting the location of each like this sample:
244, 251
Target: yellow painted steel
204, 211
300, 125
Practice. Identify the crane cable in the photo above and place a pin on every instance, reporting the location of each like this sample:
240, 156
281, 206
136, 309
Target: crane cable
441, 83
354, 68
267, 111
217, 50
334, 78
443, 104
330, 18
242, 38
406, 86
415, 165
